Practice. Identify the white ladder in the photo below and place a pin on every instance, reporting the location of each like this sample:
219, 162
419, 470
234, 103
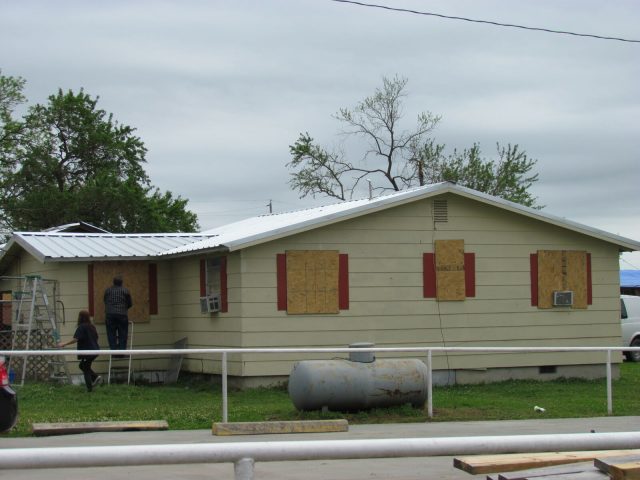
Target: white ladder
128, 368
34, 313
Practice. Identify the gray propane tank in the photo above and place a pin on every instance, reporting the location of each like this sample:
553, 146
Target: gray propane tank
347, 385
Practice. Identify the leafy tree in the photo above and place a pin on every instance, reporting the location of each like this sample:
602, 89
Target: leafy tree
508, 177
73, 162
395, 158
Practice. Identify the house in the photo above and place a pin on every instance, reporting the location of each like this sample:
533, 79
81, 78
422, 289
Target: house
430, 266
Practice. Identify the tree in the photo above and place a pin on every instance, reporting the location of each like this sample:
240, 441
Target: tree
396, 159
387, 158
509, 177
72, 162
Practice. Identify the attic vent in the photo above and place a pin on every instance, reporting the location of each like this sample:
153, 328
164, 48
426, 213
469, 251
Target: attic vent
440, 211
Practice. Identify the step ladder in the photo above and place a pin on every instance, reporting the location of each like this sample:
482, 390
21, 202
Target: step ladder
114, 368
35, 317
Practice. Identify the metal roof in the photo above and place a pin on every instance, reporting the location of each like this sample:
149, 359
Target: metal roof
54, 246
252, 231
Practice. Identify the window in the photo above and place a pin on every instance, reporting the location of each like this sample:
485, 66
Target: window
312, 281
141, 278
558, 271
213, 280
449, 274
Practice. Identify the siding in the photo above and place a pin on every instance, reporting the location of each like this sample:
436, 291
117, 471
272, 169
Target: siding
386, 304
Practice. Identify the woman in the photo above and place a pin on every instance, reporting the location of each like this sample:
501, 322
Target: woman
86, 337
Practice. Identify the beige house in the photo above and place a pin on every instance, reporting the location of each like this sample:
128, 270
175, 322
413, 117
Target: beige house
431, 266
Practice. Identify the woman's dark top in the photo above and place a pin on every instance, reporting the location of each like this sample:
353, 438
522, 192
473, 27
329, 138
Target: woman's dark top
87, 337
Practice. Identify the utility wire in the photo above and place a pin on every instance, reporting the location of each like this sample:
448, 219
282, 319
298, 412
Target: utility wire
488, 22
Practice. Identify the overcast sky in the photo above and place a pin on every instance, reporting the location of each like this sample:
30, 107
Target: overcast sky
218, 90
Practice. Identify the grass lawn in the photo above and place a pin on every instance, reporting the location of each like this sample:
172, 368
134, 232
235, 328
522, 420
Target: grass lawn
190, 405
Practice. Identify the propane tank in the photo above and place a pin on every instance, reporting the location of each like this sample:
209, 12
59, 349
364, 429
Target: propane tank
347, 385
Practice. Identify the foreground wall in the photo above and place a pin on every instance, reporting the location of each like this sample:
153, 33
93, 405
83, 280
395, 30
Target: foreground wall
386, 299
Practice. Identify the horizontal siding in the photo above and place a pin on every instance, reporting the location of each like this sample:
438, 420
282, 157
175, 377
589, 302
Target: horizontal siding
385, 288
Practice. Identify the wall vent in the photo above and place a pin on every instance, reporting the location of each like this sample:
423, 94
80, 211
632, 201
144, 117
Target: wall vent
440, 211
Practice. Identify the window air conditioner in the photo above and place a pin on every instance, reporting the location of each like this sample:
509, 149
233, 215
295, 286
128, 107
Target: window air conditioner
562, 298
210, 304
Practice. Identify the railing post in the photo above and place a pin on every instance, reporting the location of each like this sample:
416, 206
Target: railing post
609, 388
225, 412
243, 469
429, 385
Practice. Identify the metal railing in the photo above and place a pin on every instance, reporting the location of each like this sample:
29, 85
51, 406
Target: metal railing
244, 455
424, 351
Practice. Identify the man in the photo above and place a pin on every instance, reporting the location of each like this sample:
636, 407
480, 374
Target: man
117, 302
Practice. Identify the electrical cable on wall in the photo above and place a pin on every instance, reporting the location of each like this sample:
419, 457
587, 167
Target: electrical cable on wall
444, 342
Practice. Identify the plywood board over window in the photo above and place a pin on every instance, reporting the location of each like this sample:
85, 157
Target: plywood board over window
135, 276
312, 281
561, 270
450, 277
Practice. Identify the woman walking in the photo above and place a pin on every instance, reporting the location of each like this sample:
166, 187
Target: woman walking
86, 337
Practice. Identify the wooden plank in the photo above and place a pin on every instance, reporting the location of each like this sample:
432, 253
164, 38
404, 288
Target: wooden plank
557, 470
312, 281
550, 276
620, 468
45, 429
479, 464
577, 277
450, 278
262, 428
135, 276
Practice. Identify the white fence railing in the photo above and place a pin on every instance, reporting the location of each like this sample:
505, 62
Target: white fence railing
426, 352
245, 454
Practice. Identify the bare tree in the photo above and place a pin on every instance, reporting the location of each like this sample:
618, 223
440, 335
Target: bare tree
389, 161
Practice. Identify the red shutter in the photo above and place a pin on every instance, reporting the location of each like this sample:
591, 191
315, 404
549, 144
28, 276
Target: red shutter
90, 288
589, 283
343, 281
153, 289
281, 275
470, 274
203, 278
533, 271
429, 275
224, 304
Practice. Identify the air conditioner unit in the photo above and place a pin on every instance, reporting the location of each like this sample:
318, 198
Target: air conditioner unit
210, 304
562, 298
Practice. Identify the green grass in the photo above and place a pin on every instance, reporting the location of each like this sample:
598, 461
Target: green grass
192, 405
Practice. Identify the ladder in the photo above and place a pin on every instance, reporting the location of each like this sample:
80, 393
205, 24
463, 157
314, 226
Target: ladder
113, 368
34, 316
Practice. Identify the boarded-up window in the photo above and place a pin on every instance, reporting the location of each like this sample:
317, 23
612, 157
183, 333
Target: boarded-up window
560, 270
313, 281
449, 273
135, 277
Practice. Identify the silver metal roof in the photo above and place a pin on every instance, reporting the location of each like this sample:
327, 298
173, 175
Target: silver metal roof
265, 228
53, 246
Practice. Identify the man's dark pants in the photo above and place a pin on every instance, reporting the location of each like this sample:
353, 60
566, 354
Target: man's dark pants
117, 330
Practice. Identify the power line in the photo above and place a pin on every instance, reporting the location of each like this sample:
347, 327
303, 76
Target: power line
488, 22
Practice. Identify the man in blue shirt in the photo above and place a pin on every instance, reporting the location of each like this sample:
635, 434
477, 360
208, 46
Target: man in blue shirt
117, 302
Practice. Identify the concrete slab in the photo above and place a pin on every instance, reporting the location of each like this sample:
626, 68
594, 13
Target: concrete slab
396, 468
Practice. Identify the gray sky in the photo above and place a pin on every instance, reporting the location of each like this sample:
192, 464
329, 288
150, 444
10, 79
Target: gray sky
218, 90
